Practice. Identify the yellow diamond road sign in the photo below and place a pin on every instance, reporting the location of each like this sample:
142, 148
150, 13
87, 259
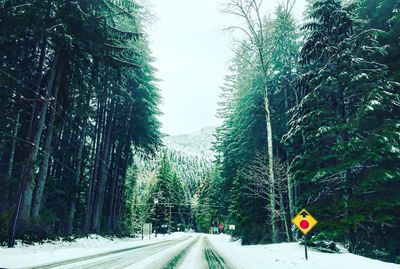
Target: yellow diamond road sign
304, 221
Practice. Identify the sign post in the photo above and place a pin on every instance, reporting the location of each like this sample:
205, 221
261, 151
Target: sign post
305, 222
305, 246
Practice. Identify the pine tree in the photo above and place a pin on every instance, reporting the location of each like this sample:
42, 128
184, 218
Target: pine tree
78, 77
238, 139
338, 129
384, 15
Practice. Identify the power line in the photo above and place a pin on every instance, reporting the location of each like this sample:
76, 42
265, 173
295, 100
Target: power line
205, 205
22, 83
39, 94
53, 155
39, 148
51, 107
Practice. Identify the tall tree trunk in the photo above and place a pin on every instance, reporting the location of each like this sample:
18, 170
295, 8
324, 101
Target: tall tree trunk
44, 165
35, 132
287, 171
35, 127
77, 176
281, 201
274, 230
38, 80
115, 162
10, 164
101, 183
95, 168
290, 192
119, 205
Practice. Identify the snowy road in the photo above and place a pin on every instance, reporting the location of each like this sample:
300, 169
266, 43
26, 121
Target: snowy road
178, 250
192, 251
199, 255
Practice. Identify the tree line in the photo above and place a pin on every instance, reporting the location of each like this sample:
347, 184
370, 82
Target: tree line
78, 99
161, 196
311, 120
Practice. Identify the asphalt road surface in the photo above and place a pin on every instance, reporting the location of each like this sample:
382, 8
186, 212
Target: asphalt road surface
189, 252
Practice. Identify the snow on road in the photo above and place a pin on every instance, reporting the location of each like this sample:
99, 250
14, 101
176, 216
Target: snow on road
289, 256
179, 250
162, 258
38, 254
194, 258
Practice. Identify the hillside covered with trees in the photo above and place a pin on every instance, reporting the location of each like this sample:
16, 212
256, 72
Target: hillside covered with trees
311, 117
309, 112
172, 177
78, 98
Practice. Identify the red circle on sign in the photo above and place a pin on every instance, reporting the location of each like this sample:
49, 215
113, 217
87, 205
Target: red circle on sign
304, 224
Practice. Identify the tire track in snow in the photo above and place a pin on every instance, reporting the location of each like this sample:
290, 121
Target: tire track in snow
181, 256
127, 259
214, 259
195, 258
161, 259
104, 258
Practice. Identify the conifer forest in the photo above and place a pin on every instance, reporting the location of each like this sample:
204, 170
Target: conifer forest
309, 115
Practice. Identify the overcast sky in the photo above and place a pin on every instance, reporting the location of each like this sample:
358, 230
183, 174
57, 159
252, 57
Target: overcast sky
192, 55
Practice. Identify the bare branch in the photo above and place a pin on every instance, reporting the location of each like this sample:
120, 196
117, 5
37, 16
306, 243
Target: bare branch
232, 28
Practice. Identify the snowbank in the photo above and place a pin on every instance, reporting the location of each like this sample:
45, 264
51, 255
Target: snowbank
28, 255
288, 256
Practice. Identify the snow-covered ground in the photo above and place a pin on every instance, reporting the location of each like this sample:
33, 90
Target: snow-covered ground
288, 256
38, 254
197, 144
179, 250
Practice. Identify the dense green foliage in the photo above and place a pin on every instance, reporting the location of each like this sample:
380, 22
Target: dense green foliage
335, 109
242, 135
191, 169
173, 178
162, 198
310, 119
77, 96
347, 126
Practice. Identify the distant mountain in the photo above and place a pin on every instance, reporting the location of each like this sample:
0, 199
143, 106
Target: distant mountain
190, 156
196, 144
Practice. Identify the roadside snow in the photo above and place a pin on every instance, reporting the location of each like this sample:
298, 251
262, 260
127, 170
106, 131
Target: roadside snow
31, 255
276, 256
288, 256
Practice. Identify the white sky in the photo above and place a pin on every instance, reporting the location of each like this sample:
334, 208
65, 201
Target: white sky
192, 56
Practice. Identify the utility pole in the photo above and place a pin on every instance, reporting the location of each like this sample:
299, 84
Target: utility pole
156, 202
141, 225
169, 221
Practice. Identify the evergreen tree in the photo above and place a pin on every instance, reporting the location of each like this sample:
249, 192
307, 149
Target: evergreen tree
240, 140
384, 15
211, 203
170, 199
344, 127
78, 78
163, 193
